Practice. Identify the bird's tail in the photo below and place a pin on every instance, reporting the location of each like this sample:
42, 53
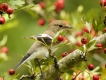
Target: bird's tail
22, 61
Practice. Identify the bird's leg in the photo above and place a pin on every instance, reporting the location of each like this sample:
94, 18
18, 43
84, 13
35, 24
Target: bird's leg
39, 66
55, 59
55, 62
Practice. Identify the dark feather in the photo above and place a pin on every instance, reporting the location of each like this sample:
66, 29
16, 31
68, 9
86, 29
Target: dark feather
22, 61
45, 39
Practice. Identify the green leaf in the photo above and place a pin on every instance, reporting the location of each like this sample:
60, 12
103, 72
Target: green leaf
9, 25
31, 37
98, 24
88, 26
28, 6
91, 45
61, 44
3, 57
14, 77
4, 40
16, 3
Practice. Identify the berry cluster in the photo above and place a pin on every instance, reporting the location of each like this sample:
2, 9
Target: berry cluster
58, 6
80, 76
81, 33
61, 38
4, 8
85, 30
100, 47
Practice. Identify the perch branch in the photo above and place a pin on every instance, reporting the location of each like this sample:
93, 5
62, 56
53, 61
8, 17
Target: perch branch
71, 60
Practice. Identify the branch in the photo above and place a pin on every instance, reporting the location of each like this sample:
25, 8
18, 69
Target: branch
71, 60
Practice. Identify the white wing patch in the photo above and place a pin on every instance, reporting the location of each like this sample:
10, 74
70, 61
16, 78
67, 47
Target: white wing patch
44, 36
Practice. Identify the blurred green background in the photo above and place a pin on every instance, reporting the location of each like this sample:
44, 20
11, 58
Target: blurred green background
24, 24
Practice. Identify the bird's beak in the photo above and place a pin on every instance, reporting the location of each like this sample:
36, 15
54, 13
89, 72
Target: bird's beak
68, 27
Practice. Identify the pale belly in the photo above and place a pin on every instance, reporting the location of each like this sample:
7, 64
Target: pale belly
41, 53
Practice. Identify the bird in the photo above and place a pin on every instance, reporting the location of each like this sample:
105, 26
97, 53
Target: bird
38, 50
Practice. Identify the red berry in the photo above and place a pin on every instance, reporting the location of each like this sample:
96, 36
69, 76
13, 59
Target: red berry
42, 5
90, 66
105, 30
60, 38
1, 78
41, 22
78, 34
66, 39
103, 2
85, 30
61, 4
105, 50
2, 20
11, 71
9, 10
57, 9
4, 49
92, 31
95, 77
105, 65
99, 45
78, 44
81, 77
1, 8
84, 40
5, 6
64, 54
72, 50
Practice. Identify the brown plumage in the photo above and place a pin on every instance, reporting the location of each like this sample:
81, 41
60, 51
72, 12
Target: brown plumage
38, 50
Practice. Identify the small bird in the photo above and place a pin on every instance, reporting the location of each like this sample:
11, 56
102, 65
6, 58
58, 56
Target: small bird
39, 50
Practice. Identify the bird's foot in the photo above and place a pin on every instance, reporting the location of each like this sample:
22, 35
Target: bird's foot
55, 61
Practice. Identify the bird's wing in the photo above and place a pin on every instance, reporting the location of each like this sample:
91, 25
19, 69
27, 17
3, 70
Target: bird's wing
44, 38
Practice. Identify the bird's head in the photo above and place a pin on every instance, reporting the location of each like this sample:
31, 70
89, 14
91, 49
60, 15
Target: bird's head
58, 25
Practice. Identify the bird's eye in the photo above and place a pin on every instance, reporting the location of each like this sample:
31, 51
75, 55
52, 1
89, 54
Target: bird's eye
60, 26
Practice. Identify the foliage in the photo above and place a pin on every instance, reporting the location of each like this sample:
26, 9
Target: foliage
88, 23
